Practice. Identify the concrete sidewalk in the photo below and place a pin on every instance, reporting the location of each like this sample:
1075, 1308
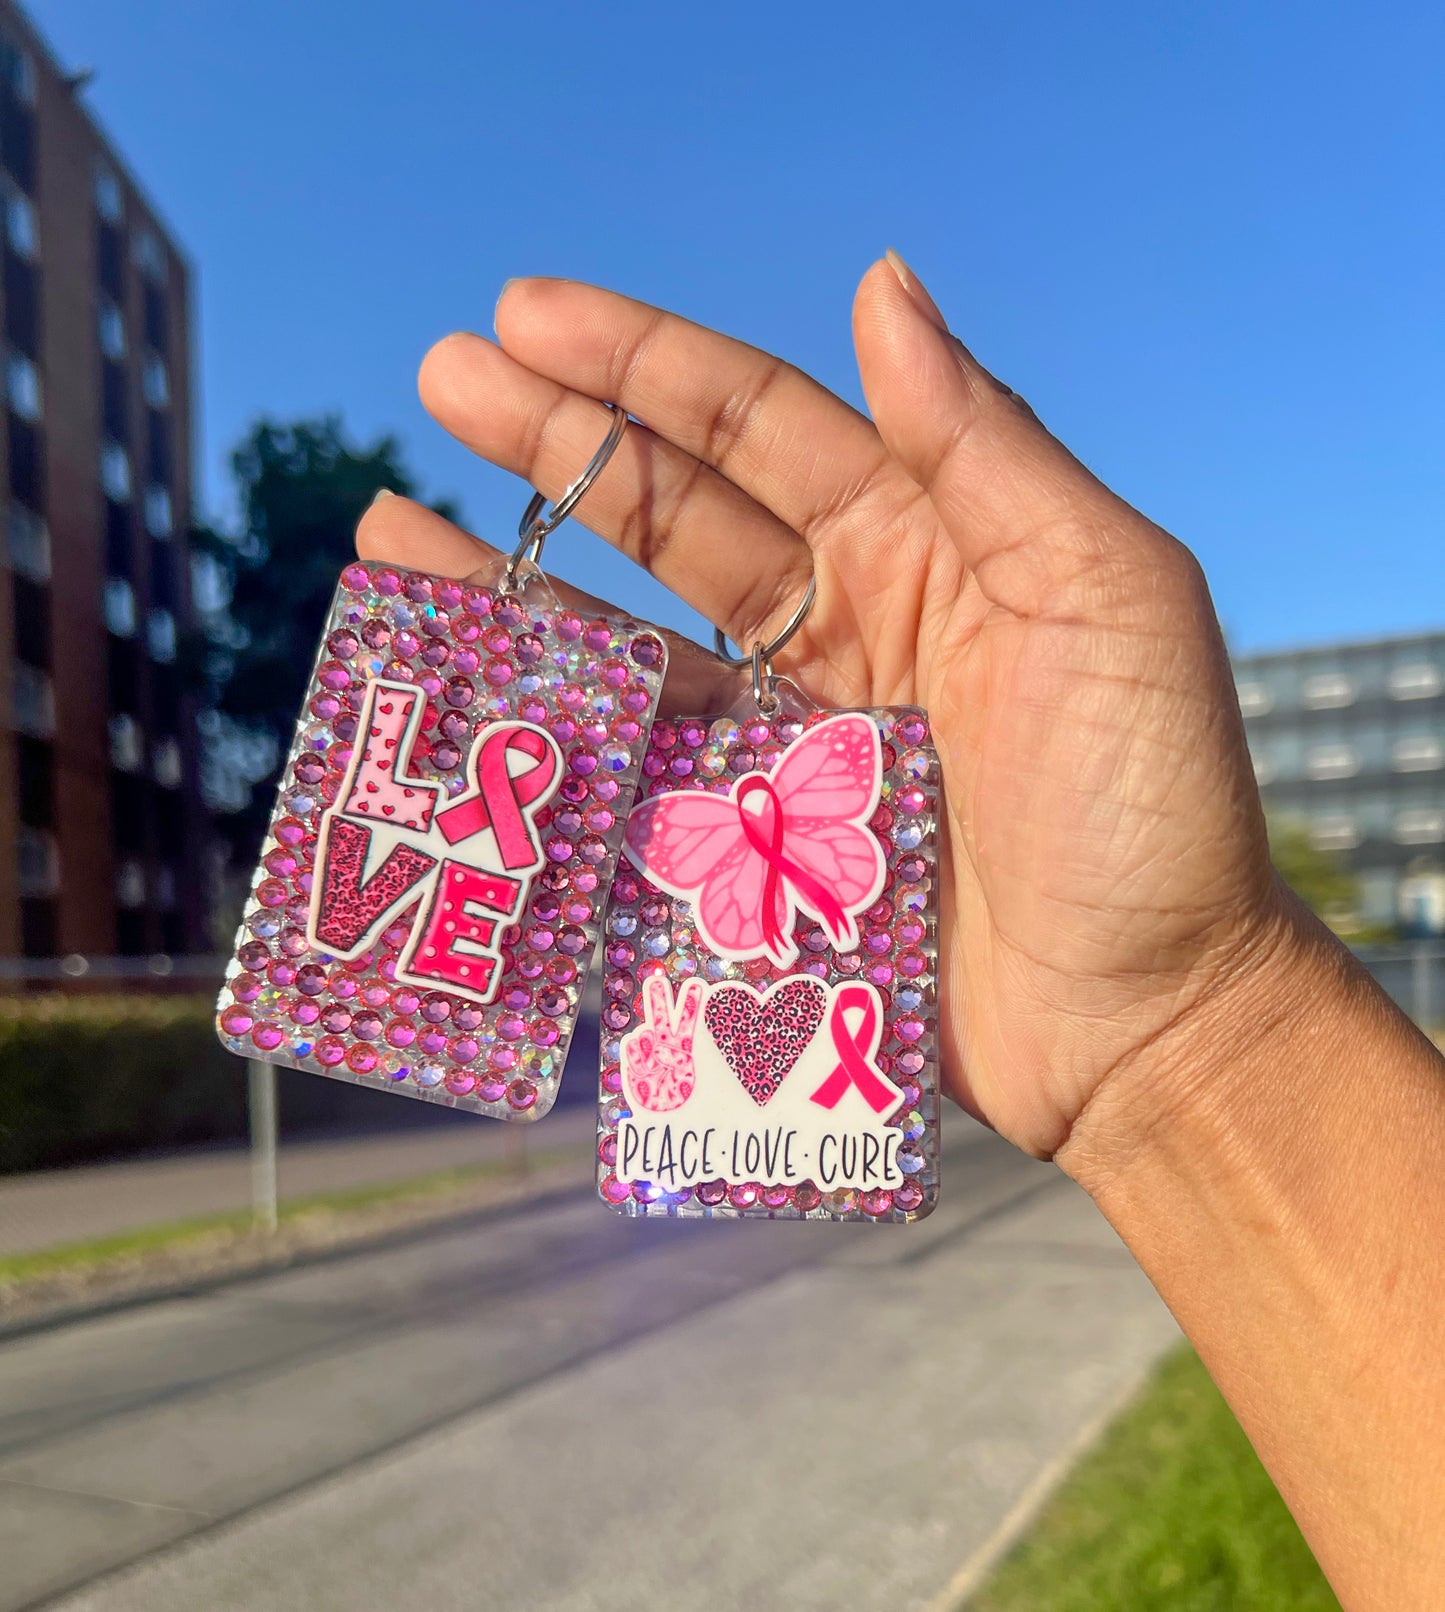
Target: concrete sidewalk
777, 1418
54, 1207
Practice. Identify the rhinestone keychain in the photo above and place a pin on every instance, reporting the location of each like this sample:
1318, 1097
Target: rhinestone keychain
769, 1028
448, 820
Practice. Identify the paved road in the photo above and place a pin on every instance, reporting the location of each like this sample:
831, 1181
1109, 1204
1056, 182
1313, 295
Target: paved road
557, 1410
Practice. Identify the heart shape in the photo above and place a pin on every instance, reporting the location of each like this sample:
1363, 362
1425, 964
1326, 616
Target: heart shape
762, 1036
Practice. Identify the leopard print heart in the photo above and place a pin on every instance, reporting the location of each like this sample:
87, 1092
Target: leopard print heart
761, 1037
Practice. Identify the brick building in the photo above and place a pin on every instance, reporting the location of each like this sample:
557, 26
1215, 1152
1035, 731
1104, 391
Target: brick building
102, 835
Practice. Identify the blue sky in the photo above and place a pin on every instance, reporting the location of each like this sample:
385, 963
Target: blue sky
1204, 241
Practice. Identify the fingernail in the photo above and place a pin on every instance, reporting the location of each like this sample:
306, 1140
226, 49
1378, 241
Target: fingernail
916, 292
502, 293
379, 494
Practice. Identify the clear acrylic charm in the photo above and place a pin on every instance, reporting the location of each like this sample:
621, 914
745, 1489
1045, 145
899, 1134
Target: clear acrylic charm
448, 821
769, 1022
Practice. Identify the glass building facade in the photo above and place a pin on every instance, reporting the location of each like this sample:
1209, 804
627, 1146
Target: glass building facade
1349, 739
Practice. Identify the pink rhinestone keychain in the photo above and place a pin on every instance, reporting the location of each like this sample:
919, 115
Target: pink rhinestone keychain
769, 1027
448, 820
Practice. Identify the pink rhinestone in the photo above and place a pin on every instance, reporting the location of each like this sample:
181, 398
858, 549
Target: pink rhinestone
330, 1051
336, 1019
343, 643
647, 650
400, 1033
236, 1021
355, 577
304, 1012
712, 1193
615, 1191
448, 594
386, 582
876, 1203
362, 1059
908, 1196
459, 1083
806, 1197
459, 692
521, 1095
777, 1197
462, 1048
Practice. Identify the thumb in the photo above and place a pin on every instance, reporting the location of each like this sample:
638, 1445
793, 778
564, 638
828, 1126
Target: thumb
1033, 526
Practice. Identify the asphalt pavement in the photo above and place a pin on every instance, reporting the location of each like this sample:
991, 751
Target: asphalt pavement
551, 1408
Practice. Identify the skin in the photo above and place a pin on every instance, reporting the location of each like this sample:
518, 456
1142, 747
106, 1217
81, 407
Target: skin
1127, 989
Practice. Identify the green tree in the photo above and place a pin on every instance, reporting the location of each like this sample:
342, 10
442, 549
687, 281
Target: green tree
301, 488
1320, 878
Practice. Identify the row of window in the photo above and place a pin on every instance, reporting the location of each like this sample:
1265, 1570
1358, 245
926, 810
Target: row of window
1323, 762
38, 871
115, 482
122, 618
127, 752
1343, 831
1332, 691
147, 251
110, 328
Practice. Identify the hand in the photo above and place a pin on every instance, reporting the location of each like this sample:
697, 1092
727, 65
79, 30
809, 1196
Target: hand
1106, 870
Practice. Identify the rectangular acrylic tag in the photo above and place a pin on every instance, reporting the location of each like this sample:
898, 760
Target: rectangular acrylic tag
769, 1041
445, 831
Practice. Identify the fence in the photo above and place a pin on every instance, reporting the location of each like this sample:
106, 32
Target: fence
1414, 976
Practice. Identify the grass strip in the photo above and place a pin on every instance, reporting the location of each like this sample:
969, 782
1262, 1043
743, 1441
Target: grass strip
1170, 1512
177, 1234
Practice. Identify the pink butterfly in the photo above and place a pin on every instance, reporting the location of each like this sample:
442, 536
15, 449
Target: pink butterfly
797, 837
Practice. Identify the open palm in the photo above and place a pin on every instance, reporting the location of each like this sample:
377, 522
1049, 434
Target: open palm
1106, 867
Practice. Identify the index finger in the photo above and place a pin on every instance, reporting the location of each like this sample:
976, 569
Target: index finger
773, 431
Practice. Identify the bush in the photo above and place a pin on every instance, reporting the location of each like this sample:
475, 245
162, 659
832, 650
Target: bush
85, 1076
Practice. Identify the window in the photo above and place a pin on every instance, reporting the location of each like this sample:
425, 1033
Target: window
1254, 699
1335, 831
155, 319
34, 699
114, 401
22, 386
27, 471
110, 260
39, 930
154, 382
1264, 770
1425, 754
31, 605
20, 228
150, 256
1420, 681
39, 862
112, 329
117, 540
22, 305
167, 888
1331, 761
168, 763
115, 471
1420, 826
130, 883
157, 507
161, 635
107, 195
19, 73
127, 748
163, 578
28, 543
160, 447
118, 607
36, 768
1327, 691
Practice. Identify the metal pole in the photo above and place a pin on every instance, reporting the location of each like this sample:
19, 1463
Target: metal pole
1421, 1008
261, 1101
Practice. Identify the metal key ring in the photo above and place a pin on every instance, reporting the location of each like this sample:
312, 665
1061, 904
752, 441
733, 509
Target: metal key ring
535, 528
761, 652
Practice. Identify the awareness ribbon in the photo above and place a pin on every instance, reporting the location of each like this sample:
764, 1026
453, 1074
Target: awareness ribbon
500, 798
856, 1051
769, 846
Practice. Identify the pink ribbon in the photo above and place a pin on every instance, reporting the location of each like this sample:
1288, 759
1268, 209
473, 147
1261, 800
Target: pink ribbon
856, 1051
769, 845
500, 798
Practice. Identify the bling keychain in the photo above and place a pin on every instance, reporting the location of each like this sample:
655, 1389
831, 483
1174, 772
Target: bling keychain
448, 820
769, 1040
